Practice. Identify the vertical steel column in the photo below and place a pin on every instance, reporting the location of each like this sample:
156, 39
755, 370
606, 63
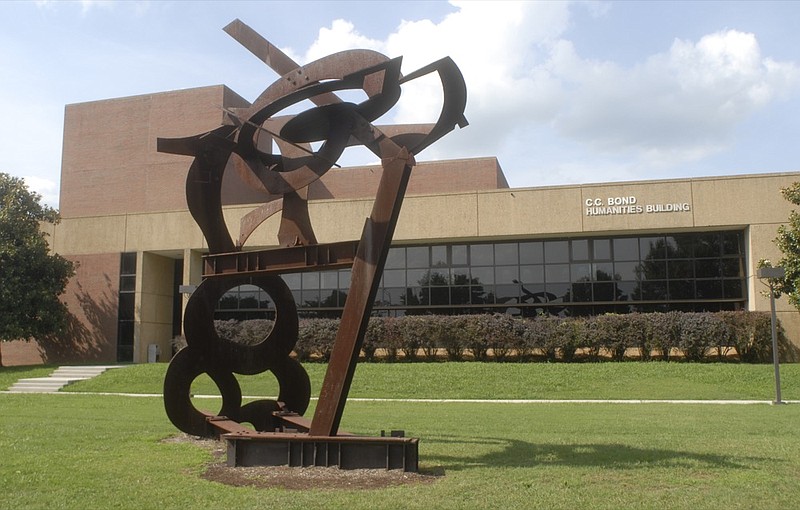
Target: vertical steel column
367, 269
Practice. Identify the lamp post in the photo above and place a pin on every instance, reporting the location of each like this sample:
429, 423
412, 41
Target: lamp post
774, 273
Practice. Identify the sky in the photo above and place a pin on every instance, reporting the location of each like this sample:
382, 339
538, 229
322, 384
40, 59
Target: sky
559, 92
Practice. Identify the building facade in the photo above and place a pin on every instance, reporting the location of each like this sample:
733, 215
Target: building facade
465, 241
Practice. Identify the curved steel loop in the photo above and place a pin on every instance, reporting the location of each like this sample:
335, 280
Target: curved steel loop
226, 355
454, 103
331, 123
184, 368
295, 394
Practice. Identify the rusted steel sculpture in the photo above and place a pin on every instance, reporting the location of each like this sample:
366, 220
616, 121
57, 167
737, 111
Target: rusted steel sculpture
282, 434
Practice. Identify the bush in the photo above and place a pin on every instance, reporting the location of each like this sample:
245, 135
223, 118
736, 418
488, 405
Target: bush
499, 337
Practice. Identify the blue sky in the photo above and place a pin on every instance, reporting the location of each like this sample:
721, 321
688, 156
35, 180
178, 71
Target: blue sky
559, 92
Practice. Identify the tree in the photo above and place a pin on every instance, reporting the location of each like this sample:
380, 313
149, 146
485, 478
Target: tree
31, 278
788, 240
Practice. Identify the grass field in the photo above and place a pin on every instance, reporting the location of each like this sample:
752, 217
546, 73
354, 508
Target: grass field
91, 451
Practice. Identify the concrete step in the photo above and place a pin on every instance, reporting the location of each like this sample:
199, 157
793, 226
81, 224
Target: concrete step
61, 377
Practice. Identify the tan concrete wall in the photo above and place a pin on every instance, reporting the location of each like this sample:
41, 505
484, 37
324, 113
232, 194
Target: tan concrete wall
154, 291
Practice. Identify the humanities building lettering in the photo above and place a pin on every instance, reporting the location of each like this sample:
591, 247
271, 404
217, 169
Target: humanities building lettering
629, 205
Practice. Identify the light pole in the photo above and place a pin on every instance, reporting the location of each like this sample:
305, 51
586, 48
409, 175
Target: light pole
774, 273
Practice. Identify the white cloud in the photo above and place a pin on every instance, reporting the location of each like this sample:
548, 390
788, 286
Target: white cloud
46, 188
680, 105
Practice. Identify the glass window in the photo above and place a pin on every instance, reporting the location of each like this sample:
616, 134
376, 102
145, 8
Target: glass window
580, 249
440, 277
531, 253
126, 306
507, 294
460, 276
344, 278
506, 274
396, 258
292, 280
418, 276
481, 255
652, 248
628, 291
732, 267
127, 263
681, 289
626, 270
484, 275
680, 269
680, 246
653, 291
580, 272
458, 255
556, 251
329, 280
733, 288
417, 256
731, 243
707, 245
531, 274
707, 268
581, 293
439, 256
626, 249
506, 254
310, 280
394, 278
601, 249
709, 289
459, 295
127, 283
440, 296
556, 273
653, 270
604, 291
603, 271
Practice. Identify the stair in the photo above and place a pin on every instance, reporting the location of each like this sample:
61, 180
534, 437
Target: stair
61, 377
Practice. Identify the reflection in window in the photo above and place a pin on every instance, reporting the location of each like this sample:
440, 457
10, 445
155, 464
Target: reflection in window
688, 271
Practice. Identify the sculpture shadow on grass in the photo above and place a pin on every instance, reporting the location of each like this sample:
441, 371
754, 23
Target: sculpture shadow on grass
514, 453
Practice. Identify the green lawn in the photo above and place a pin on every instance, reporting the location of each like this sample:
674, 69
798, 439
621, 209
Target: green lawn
93, 451
632, 380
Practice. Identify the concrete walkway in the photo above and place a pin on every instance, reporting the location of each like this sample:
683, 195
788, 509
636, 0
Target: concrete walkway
61, 377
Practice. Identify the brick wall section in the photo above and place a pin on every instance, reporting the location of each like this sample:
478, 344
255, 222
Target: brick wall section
110, 164
91, 336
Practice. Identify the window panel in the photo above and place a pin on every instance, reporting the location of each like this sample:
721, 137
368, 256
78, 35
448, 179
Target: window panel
580, 249
458, 255
506, 274
417, 256
601, 249
681, 289
531, 274
652, 248
483, 275
556, 252
506, 254
556, 273
394, 278
396, 258
531, 253
481, 255
626, 249
439, 256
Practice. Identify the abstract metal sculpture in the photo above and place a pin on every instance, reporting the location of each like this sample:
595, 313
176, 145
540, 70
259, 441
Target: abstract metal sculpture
282, 435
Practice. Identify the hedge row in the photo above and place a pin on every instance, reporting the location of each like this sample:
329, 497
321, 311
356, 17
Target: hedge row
745, 336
